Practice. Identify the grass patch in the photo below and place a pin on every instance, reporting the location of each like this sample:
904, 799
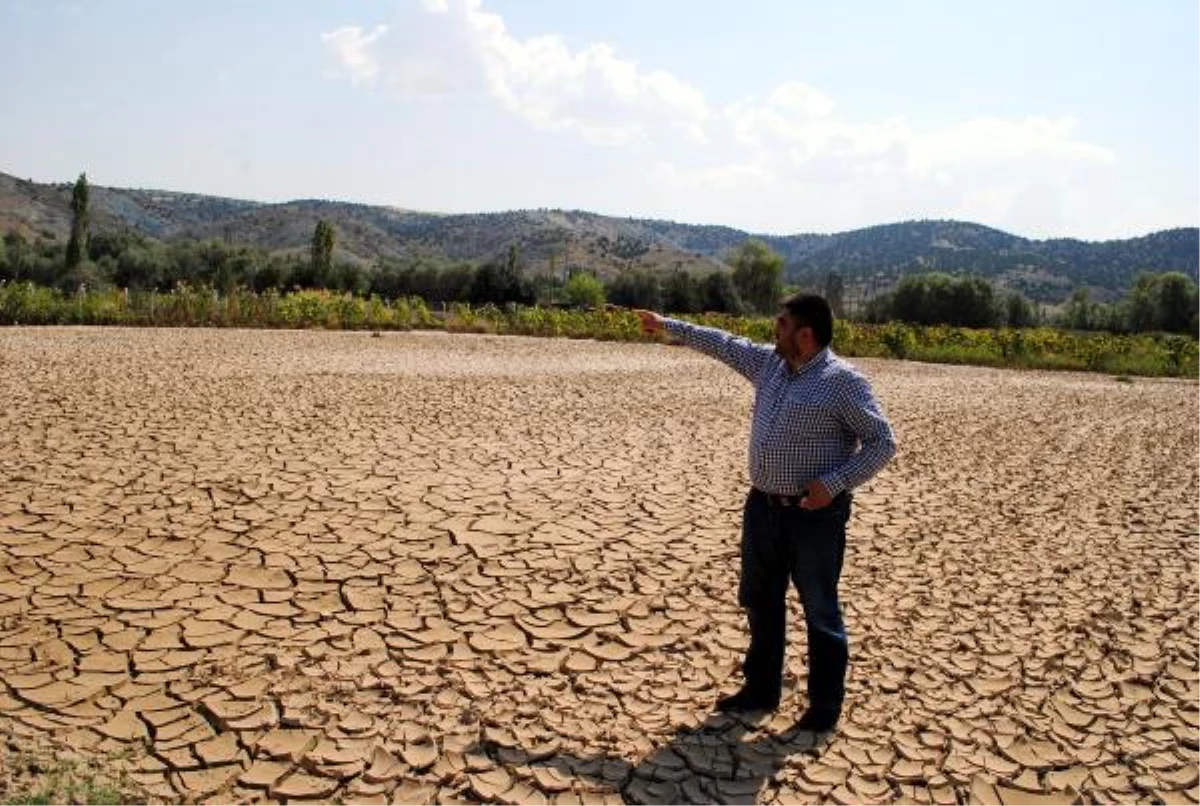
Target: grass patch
43, 779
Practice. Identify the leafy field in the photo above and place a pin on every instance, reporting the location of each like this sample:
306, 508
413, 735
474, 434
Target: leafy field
1038, 348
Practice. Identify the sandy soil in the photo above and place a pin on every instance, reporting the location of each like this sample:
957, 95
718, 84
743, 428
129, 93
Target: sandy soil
256, 566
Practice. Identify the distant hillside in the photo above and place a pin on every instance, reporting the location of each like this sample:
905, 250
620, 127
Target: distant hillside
1044, 270
872, 259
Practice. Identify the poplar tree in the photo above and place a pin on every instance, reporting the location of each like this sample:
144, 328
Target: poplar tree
322, 252
78, 243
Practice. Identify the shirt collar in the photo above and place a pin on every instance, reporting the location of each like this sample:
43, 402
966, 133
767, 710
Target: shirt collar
818, 359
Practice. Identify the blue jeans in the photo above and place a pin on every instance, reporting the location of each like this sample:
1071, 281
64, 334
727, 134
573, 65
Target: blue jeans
782, 544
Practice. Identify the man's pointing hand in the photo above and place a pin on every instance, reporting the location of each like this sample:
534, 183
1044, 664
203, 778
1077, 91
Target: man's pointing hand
651, 322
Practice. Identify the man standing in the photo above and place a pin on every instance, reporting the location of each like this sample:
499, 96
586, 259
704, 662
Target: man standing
817, 433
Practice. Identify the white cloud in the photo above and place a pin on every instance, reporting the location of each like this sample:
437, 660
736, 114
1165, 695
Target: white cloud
792, 154
787, 155
797, 125
455, 47
994, 140
353, 52
605, 98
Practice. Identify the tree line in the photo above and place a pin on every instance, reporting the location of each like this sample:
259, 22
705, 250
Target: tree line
1159, 302
127, 259
753, 285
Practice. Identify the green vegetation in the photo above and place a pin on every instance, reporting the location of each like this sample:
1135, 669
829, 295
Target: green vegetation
636, 288
498, 282
1045, 271
1153, 354
186, 306
758, 276
124, 278
34, 779
1158, 302
78, 242
583, 290
127, 260
321, 251
555, 243
678, 291
943, 299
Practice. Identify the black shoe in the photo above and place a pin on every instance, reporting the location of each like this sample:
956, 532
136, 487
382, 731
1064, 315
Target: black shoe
746, 700
817, 721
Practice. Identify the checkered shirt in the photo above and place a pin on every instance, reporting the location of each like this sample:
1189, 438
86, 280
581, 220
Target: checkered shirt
820, 422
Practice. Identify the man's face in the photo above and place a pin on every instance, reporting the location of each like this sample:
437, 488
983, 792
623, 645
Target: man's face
788, 336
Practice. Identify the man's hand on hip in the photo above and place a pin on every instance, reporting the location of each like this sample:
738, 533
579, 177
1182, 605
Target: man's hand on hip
815, 496
651, 322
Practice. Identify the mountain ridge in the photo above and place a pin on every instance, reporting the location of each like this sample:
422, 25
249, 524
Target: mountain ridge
557, 240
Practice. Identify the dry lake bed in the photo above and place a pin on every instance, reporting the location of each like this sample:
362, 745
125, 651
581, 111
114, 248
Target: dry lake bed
285, 566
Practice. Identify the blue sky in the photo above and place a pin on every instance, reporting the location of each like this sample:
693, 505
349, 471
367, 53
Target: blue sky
1070, 118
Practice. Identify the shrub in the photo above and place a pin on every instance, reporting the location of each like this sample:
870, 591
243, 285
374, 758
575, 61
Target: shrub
583, 290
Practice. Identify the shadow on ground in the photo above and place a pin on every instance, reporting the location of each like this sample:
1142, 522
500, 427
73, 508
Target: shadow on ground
710, 763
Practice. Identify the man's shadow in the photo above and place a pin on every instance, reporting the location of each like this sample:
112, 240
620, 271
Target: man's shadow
709, 763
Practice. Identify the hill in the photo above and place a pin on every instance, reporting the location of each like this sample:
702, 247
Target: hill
871, 259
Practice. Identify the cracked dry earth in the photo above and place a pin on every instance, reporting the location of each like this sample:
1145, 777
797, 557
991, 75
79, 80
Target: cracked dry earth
289, 566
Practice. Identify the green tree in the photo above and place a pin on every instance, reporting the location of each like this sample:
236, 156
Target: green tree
216, 270
322, 252
636, 288
17, 253
77, 245
349, 277
244, 264
583, 290
500, 281
630, 247
941, 299
681, 293
1018, 311
274, 274
1175, 303
718, 294
1165, 302
548, 285
1140, 304
454, 282
973, 303
835, 293
139, 268
879, 308
1080, 313
758, 275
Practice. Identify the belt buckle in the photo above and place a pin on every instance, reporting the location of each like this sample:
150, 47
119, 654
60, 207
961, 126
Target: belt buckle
776, 500
792, 500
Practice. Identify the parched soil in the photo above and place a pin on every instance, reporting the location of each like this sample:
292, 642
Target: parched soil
284, 566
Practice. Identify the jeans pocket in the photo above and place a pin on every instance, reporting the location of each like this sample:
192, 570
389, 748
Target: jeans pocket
836, 511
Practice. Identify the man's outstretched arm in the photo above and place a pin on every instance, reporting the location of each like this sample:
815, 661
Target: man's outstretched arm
741, 354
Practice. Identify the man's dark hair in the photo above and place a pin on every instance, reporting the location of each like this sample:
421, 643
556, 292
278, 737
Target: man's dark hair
811, 310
